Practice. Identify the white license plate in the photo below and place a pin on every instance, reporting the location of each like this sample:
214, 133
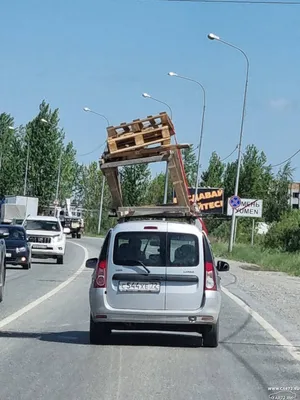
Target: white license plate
144, 287
39, 246
8, 255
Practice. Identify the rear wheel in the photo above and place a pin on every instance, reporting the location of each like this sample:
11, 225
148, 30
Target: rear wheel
60, 259
99, 332
78, 235
73, 235
210, 338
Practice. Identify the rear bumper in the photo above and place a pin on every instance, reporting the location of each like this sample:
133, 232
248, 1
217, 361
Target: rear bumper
208, 314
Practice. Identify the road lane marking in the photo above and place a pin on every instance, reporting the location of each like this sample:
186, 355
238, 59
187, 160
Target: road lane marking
280, 339
46, 296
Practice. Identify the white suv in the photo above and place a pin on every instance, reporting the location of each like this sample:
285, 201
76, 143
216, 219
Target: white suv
155, 275
47, 237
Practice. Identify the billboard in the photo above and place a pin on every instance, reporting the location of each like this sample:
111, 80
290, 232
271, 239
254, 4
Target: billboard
209, 200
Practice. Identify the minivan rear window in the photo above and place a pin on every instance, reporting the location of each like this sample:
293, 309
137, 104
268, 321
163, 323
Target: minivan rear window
157, 249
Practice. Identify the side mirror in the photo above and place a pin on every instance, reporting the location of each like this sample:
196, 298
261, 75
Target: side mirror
3, 234
91, 263
67, 231
222, 266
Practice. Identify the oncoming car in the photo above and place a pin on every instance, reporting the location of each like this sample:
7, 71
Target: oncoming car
47, 237
155, 275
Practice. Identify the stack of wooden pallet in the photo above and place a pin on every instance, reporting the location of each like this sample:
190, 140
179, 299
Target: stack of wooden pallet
143, 141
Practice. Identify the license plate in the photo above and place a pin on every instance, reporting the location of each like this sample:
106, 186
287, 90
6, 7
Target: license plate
39, 246
8, 255
144, 287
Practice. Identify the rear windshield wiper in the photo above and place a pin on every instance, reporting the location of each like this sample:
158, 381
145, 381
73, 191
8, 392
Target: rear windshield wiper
136, 262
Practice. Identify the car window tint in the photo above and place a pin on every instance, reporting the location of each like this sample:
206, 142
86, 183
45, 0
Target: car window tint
147, 247
183, 250
104, 248
208, 254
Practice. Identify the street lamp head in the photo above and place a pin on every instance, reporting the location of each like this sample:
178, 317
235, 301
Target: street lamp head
212, 36
86, 109
146, 95
172, 74
44, 121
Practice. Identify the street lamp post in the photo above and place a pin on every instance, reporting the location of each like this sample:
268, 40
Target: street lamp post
86, 109
147, 96
212, 36
201, 130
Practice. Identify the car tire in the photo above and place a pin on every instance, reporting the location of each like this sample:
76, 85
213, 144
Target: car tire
78, 235
73, 235
210, 338
99, 332
60, 260
27, 266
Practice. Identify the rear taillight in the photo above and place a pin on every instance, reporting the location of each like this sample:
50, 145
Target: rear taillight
100, 280
210, 277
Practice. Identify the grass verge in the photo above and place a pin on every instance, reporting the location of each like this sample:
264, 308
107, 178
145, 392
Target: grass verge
89, 234
268, 260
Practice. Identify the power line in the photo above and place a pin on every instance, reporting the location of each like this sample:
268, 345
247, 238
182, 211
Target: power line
241, 2
285, 161
230, 153
93, 151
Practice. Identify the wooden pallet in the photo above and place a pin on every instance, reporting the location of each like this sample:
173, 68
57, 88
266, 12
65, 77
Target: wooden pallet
138, 125
141, 153
133, 141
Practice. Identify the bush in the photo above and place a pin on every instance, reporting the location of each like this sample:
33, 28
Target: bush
285, 234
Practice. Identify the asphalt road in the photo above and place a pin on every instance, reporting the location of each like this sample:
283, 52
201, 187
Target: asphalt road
45, 354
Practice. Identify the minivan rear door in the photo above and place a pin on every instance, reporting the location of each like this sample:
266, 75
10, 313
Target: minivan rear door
137, 269
185, 270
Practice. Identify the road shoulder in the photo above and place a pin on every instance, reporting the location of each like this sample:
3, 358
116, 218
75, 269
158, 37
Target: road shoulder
274, 295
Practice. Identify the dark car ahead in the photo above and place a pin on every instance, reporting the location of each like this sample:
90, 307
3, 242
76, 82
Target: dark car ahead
3, 234
18, 250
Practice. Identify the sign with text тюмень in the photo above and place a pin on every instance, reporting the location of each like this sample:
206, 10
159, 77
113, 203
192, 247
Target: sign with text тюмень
209, 200
249, 208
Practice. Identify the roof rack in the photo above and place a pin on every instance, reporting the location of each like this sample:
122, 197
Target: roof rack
154, 212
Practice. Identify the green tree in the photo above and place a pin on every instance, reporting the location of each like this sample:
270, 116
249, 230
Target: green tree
69, 170
135, 181
156, 190
214, 174
45, 146
190, 165
277, 199
11, 156
229, 180
256, 175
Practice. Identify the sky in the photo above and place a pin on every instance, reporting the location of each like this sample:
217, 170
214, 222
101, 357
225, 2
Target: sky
103, 54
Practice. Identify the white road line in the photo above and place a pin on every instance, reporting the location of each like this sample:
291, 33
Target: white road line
46, 296
280, 339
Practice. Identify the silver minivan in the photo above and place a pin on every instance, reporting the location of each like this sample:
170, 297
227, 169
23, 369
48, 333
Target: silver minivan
155, 275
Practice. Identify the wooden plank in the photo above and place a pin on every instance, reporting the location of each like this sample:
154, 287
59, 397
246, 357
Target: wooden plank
138, 125
152, 211
177, 177
144, 160
139, 146
144, 152
113, 182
